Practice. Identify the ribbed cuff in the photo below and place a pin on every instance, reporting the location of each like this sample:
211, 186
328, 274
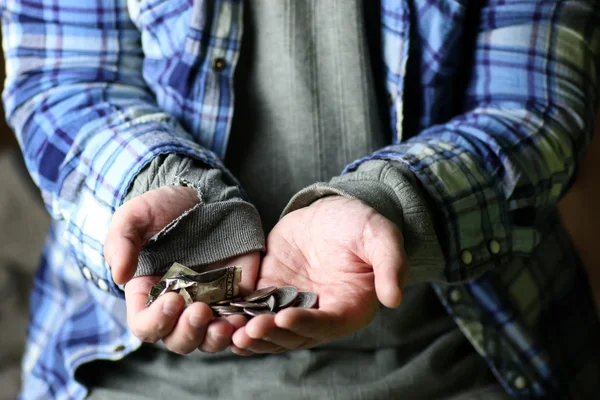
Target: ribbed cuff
388, 189
220, 226
205, 234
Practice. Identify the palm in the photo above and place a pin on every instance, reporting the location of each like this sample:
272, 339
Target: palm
181, 330
343, 282
342, 250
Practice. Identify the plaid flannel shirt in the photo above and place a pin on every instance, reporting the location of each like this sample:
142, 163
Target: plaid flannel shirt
491, 105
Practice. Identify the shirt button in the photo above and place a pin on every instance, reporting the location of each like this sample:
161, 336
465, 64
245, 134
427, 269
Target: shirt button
103, 285
218, 64
455, 295
494, 246
86, 273
466, 257
520, 382
119, 348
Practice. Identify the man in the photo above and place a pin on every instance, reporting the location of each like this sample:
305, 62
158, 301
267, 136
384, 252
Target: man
127, 117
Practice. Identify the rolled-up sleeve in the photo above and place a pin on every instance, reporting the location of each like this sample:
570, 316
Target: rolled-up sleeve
76, 98
513, 150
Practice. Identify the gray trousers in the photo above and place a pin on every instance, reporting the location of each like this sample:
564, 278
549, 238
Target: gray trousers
383, 361
153, 373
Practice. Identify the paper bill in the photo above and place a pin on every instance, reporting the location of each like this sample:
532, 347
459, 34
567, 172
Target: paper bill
207, 287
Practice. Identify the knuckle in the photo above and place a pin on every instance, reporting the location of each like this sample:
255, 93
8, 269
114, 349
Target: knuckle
161, 328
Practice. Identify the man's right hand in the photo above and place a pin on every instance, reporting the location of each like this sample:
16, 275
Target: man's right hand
182, 331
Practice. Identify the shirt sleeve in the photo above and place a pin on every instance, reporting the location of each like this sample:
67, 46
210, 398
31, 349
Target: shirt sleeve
392, 190
513, 150
83, 115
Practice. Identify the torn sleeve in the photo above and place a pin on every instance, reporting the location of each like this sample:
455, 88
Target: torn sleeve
220, 226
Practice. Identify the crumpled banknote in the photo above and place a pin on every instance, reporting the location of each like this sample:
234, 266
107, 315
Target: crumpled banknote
208, 287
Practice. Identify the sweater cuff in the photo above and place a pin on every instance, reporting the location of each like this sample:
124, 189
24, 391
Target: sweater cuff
222, 225
392, 190
203, 235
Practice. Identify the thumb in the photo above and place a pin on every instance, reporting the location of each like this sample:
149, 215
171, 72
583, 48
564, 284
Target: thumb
383, 249
136, 221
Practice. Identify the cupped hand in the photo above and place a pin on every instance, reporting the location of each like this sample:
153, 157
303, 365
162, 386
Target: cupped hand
344, 251
181, 330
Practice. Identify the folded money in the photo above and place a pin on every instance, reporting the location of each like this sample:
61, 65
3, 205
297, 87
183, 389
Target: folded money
220, 288
208, 287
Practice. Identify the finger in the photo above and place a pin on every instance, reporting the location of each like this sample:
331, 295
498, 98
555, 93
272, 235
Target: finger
218, 336
136, 292
287, 340
265, 329
262, 347
157, 321
239, 335
240, 352
237, 321
190, 329
250, 264
124, 240
242, 341
384, 250
315, 325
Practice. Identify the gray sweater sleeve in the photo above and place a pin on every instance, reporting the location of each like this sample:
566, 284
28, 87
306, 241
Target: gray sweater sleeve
220, 226
392, 190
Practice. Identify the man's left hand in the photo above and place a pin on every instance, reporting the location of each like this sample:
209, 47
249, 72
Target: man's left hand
344, 251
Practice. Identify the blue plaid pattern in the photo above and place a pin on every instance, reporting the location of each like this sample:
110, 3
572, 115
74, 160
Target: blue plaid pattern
492, 109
